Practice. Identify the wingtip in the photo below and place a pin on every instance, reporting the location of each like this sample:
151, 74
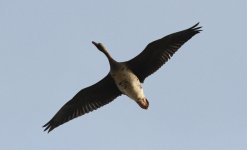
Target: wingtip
48, 127
196, 27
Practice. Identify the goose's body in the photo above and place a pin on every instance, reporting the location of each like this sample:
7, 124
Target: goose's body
123, 78
129, 84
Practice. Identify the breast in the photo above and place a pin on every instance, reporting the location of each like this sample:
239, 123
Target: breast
128, 83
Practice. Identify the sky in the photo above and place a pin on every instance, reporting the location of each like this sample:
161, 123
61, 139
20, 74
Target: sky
197, 99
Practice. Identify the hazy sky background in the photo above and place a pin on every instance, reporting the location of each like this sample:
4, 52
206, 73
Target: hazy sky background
197, 100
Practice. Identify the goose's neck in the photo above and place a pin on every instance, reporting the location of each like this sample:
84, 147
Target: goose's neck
113, 63
110, 59
101, 47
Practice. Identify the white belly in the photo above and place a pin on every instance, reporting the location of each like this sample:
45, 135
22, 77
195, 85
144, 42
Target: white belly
128, 84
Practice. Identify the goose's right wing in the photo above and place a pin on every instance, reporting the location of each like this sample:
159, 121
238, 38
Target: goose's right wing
86, 100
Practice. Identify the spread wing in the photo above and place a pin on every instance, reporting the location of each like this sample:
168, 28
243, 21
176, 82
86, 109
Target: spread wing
86, 100
159, 52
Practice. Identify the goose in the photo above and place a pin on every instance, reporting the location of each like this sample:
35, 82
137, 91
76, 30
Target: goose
124, 78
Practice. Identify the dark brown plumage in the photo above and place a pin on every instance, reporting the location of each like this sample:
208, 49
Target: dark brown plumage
159, 52
84, 101
147, 62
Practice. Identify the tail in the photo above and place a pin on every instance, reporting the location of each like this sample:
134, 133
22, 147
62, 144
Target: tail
143, 103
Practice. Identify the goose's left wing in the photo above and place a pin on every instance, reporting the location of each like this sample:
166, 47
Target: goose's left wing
159, 52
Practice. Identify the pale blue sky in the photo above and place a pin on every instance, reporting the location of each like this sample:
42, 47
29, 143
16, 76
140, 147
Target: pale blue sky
197, 100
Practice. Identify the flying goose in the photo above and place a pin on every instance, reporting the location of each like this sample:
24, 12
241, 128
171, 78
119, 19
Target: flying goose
123, 78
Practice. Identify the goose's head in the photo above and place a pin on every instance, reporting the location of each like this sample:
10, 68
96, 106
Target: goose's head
100, 47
